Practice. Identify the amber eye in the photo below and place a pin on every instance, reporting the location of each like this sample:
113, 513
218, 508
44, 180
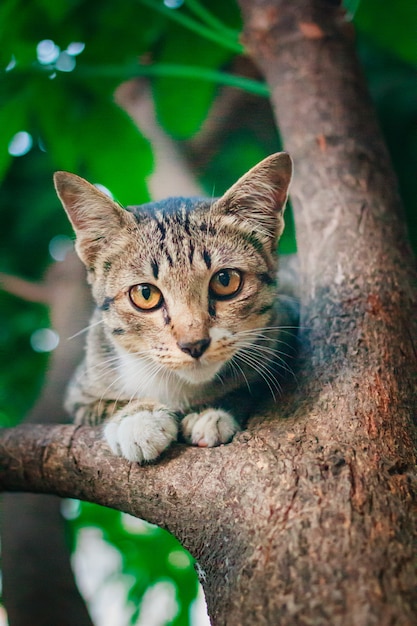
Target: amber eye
145, 296
225, 284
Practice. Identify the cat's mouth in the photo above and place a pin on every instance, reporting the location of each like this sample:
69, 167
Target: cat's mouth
199, 371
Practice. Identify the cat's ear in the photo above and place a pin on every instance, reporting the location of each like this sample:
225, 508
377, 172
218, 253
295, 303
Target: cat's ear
258, 198
96, 218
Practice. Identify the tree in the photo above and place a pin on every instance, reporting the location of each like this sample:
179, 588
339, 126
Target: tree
308, 519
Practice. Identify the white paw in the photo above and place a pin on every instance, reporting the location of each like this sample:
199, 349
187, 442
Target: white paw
209, 428
141, 436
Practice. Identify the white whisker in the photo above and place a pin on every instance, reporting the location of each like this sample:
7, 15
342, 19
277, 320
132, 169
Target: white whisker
104, 399
84, 330
140, 385
234, 365
256, 334
106, 363
270, 353
118, 357
262, 369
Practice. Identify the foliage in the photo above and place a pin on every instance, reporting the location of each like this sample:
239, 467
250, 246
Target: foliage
149, 555
61, 96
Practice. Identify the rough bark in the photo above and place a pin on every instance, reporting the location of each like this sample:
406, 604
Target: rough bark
347, 549
308, 517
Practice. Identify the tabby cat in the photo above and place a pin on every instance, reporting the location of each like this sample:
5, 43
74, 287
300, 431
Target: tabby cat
188, 327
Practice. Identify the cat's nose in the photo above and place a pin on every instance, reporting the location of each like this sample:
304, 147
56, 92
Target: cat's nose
194, 348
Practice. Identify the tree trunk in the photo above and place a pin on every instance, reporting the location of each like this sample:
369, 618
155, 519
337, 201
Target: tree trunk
306, 517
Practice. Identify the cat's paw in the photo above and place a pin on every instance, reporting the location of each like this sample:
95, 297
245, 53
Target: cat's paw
141, 436
209, 428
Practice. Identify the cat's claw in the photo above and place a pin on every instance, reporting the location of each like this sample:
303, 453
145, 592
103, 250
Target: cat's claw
141, 436
209, 428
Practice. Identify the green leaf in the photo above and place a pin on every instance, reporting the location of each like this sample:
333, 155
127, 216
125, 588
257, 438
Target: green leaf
145, 550
208, 43
94, 138
212, 20
182, 104
116, 154
392, 26
55, 11
126, 71
226, 39
13, 119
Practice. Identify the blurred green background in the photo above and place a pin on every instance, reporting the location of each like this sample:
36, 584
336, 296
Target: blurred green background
60, 64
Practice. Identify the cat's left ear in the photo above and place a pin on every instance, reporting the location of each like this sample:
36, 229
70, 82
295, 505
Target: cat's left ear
95, 217
258, 198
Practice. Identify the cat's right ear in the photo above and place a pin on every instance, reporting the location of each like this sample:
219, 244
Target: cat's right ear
257, 200
95, 217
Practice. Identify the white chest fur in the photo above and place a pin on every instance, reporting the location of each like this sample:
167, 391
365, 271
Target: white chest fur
141, 378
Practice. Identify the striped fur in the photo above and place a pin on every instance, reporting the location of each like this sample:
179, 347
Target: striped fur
137, 377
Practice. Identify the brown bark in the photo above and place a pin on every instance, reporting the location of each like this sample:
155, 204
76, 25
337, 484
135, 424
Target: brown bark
308, 519
346, 552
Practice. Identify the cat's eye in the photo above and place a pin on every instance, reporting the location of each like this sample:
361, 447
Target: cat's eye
225, 284
145, 296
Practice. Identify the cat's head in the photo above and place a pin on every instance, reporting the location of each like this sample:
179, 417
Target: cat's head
182, 280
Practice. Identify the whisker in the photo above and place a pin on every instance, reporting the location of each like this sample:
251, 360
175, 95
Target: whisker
116, 406
257, 336
259, 347
254, 339
121, 389
219, 377
152, 373
103, 398
264, 349
263, 371
136, 392
117, 357
267, 328
234, 365
271, 355
84, 330
166, 379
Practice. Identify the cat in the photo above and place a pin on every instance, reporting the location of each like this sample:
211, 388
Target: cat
188, 328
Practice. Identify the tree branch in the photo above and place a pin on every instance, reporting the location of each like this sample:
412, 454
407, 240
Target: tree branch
25, 289
171, 175
74, 461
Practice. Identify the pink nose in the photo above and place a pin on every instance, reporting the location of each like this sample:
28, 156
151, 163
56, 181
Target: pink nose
194, 348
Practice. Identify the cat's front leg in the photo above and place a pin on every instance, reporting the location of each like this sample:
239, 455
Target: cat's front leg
209, 428
141, 432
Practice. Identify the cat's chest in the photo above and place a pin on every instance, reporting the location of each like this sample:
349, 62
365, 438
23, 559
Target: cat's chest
140, 378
